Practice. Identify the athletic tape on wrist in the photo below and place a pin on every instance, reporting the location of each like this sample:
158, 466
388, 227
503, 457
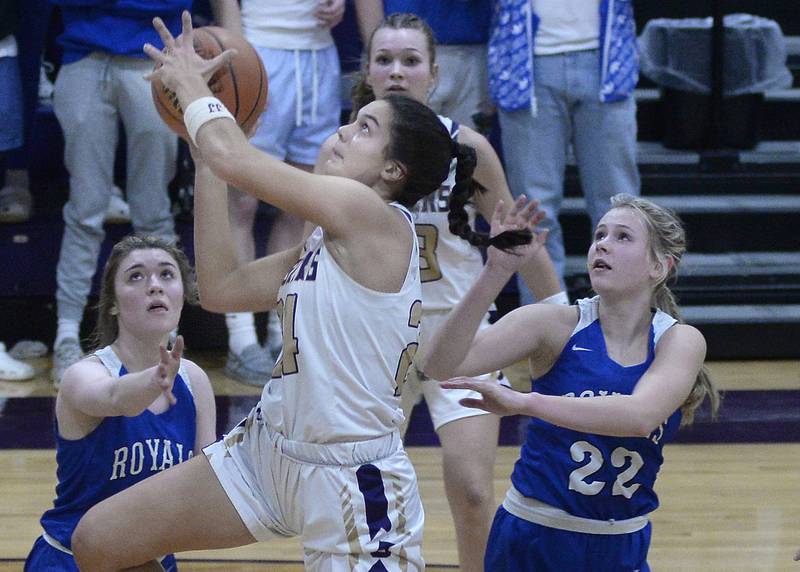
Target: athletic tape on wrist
201, 111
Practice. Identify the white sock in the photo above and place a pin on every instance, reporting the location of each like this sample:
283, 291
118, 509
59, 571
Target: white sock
274, 330
241, 330
560, 298
67, 329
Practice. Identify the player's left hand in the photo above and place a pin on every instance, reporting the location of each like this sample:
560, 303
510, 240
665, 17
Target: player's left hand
329, 13
168, 367
495, 398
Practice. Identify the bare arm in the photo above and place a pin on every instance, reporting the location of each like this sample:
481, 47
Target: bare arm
455, 349
660, 391
227, 14
539, 273
344, 208
206, 424
89, 390
224, 283
369, 14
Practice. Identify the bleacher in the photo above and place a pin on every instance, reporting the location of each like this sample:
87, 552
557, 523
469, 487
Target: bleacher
740, 281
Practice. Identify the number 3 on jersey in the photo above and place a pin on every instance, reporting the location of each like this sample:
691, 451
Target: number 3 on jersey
428, 236
287, 364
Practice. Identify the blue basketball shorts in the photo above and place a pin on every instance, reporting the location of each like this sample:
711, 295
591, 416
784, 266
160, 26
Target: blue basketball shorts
517, 545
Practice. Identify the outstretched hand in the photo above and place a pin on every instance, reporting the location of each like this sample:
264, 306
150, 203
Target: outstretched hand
178, 60
168, 367
522, 215
495, 398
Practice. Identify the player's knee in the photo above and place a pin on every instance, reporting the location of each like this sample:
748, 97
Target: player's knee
478, 497
474, 494
88, 545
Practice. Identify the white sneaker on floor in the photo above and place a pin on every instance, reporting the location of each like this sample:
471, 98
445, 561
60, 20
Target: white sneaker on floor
27, 349
11, 369
119, 211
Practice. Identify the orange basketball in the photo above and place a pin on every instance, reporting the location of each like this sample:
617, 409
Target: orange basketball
241, 84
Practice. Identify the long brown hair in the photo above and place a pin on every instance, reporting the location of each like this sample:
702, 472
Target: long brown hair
667, 240
107, 328
361, 94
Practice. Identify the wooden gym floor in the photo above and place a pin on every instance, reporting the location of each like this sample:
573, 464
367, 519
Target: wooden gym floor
725, 506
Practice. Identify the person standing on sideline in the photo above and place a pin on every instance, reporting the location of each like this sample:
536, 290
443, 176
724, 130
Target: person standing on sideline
401, 58
293, 39
461, 29
320, 456
99, 85
131, 408
614, 377
562, 73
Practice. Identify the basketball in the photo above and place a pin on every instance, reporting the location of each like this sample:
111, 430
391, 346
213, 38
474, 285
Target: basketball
241, 84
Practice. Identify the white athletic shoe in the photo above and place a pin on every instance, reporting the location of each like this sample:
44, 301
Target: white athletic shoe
119, 211
11, 369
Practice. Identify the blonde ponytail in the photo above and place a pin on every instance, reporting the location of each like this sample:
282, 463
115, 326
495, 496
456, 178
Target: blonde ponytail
667, 246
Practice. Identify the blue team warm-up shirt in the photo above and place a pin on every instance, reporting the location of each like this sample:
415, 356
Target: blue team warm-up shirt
119, 453
584, 474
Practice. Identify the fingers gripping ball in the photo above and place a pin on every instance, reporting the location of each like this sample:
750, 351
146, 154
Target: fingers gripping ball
241, 84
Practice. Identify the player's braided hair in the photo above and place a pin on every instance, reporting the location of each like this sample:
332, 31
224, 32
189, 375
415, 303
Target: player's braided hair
420, 142
464, 189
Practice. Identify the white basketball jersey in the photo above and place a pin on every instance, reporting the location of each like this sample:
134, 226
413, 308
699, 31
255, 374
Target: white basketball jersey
448, 264
346, 350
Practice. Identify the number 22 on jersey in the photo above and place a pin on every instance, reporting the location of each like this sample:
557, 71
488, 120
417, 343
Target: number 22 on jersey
619, 456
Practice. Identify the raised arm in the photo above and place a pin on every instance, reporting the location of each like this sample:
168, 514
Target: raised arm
224, 283
538, 272
455, 349
344, 207
661, 390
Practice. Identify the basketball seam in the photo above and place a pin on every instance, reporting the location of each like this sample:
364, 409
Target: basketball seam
261, 77
167, 109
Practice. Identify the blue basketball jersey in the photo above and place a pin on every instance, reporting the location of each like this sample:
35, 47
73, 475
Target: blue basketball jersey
584, 474
118, 453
